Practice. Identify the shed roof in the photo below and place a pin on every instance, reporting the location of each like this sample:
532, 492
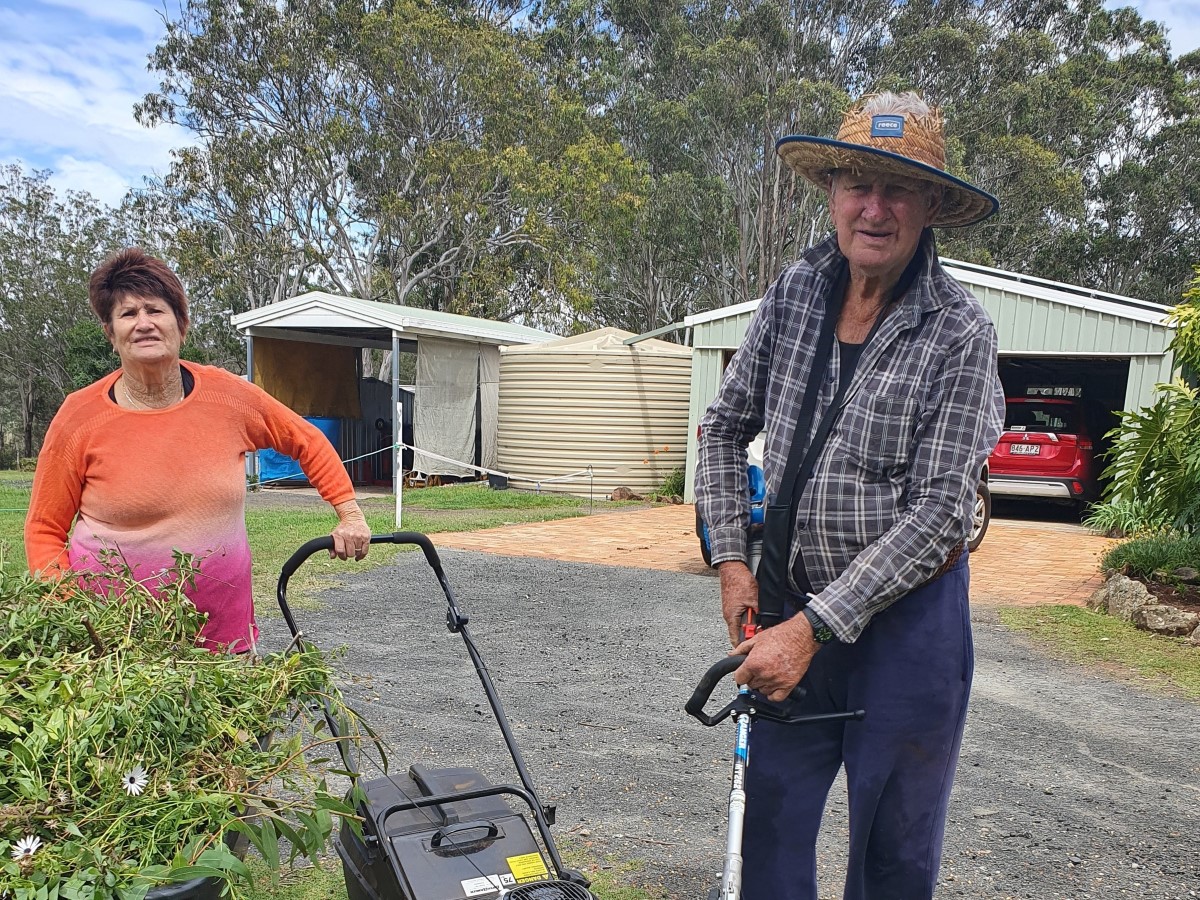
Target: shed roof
603, 340
971, 274
321, 314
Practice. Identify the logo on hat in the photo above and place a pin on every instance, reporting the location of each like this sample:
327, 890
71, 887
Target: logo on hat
887, 126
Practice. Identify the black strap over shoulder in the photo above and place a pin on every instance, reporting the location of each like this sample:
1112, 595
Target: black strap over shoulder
774, 588
772, 574
812, 391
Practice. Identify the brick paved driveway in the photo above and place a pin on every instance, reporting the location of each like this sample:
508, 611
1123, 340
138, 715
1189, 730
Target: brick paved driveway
1018, 563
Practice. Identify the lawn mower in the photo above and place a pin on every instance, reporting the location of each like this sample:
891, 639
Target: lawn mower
443, 833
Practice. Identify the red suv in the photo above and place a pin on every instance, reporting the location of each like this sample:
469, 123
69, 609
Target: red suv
1045, 451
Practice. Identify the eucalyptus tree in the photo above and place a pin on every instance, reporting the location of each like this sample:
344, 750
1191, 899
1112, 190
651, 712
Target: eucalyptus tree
1080, 120
400, 151
48, 247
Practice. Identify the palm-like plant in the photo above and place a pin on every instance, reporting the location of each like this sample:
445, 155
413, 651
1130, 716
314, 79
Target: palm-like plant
1155, 458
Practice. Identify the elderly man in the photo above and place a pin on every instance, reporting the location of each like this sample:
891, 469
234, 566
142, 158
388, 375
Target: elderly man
873, 374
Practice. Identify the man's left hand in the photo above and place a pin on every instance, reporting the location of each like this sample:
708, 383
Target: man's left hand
777, 658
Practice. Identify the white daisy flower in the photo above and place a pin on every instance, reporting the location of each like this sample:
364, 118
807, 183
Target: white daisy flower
26, 847
135, 780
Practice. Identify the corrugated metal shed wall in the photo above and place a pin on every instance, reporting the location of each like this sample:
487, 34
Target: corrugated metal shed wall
567, 405
1036, 326
1026, 324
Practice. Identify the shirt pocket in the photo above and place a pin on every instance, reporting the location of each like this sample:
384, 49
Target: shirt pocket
878, 432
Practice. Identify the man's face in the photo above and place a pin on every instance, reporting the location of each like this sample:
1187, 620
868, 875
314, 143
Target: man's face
879, 220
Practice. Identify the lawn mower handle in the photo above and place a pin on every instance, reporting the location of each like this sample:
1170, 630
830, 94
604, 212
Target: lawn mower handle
326, 543
708, 682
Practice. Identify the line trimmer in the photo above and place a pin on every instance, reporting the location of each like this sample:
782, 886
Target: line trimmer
745, 708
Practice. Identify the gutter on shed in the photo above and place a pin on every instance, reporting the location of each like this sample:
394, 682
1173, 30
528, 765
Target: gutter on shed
665, 329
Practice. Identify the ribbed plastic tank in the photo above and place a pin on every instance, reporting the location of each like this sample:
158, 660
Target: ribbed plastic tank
592, 400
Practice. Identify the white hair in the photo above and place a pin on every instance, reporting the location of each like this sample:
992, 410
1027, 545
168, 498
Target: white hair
907, 103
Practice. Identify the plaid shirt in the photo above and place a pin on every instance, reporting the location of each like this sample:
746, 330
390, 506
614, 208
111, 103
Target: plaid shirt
892, 491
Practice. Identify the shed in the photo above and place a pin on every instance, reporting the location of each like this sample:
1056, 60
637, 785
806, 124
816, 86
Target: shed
592, 402
1051, 335
305, 351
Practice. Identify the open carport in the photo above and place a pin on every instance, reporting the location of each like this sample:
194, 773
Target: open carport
308, 352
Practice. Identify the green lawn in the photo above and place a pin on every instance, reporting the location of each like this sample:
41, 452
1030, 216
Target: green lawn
276, 532
1099, 641
278, 524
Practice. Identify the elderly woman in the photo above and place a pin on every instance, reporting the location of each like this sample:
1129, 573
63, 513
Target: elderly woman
150, 460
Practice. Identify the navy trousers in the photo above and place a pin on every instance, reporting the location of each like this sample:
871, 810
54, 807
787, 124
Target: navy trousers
911, 671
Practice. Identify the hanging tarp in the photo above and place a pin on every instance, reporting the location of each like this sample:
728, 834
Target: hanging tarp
457, 396
312, 379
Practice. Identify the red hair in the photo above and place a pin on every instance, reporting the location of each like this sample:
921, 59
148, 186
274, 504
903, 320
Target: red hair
134, 273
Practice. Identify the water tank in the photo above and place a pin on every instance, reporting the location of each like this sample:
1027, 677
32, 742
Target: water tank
591, 400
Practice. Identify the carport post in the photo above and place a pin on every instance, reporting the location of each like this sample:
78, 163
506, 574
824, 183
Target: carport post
397, 427
252, 460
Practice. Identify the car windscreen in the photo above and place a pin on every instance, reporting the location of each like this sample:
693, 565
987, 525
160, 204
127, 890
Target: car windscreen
1056, 418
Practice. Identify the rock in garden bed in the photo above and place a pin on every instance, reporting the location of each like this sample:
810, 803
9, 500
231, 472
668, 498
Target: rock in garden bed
1161, 606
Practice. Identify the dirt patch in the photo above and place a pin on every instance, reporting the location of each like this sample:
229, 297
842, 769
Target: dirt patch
1185, 597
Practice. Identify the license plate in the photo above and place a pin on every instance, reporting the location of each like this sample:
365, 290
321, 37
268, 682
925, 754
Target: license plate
1025, 449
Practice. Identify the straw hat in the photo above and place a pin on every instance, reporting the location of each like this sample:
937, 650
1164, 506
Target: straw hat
889, 143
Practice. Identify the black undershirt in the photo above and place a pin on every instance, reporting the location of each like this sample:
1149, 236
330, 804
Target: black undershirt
189, 384
849, 355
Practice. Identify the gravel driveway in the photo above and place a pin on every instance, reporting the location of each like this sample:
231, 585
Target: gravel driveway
1071, 785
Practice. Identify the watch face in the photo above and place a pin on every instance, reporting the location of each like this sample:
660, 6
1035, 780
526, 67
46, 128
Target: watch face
822, 633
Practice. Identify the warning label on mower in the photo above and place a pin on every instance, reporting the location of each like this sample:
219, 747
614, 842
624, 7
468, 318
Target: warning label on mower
488, 884
528, 867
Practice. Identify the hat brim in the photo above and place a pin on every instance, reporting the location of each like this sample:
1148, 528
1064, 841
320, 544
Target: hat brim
816, 157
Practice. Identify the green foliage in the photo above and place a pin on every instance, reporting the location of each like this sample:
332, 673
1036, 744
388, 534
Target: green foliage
127, 752
673, 484
1144, 555
1124, 518
48, 246
1185, 343
1155, 458
1154, 463
407, 152
89, 354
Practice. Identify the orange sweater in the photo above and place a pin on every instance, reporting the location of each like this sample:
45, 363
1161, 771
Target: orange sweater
145, 483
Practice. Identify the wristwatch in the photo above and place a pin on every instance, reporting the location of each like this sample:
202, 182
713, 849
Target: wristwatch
822, 633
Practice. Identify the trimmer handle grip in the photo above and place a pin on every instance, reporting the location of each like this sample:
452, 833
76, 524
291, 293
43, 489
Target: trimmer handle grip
779, 712
708, 681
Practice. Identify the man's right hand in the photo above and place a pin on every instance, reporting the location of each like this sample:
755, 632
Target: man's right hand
739, 592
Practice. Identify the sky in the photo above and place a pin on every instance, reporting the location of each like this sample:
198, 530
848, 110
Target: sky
72, 70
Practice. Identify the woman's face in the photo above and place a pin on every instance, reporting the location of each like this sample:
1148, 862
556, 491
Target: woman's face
144, 331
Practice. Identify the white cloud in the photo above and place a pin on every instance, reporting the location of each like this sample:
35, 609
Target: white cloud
101, 181
68, 85
129, 13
